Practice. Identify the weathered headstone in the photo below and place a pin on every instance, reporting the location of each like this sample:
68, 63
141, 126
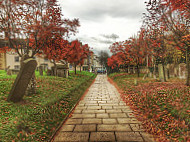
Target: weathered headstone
170, 68
48, 72
134, 70
182, 71
41, 70
161, 72
131, 70
9, 72
62, 70
23, 78
176, 70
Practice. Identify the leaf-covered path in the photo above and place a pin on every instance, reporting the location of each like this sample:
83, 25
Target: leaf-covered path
102, 116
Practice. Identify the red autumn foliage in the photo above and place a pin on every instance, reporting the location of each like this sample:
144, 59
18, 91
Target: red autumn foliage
30, 25
77, 53
162, 107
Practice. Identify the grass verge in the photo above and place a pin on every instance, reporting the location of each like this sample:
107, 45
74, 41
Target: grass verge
38, 116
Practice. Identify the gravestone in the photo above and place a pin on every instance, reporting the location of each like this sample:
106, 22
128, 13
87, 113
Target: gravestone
176, 70
49, 72
41, 70
134, 70
182, 71
23, 78
170, 68
9, 72
62, 71
161, 72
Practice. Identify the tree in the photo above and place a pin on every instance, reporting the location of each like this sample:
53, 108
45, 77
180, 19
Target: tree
29, 24
173, 16
103, 57
77, 53
56, 51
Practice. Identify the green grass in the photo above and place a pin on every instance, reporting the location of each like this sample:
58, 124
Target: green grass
37, 117
167, 105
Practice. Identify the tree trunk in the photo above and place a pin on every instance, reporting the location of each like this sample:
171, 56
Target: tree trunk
154, 71
68, 72
164, 72
75, 69
55, 69
188, 69
80, 68
138, 70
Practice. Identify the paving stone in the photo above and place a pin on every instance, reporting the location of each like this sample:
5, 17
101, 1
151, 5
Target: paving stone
120, 107
71, 136
109, 121
93, 107
102, 110
108, 104
102, 136
128, 136
107, 107
117, 115
85, 128
83, 116
101, 102
106, 99
127, 110
137, 127
102, 115
127, 120
81, 104
97, 100
114, 111
92, 121
94, 111
74, 121
78, 111
113, 127
67, 128
92, 102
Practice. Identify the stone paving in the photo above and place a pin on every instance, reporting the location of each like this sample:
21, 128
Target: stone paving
102, 116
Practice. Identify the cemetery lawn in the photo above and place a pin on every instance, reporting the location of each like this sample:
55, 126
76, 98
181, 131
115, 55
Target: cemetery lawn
37, 117
163, 108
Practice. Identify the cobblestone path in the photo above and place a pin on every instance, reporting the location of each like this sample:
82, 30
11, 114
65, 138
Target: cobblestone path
102, 116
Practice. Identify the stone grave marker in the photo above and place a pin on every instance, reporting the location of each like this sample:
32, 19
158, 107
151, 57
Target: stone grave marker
160, 72
170, 68
49, 72
62, 71
41, 70
23, 78
182, 71
9, 72
176, 70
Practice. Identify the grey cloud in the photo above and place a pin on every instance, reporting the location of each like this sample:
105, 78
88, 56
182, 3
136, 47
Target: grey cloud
102, 40
112, 36
97, 10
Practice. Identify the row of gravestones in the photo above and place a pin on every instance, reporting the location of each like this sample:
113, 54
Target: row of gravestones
172, 70
62, 71
25, 75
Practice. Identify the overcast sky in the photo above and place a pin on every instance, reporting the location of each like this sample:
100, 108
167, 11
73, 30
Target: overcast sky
104, 21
